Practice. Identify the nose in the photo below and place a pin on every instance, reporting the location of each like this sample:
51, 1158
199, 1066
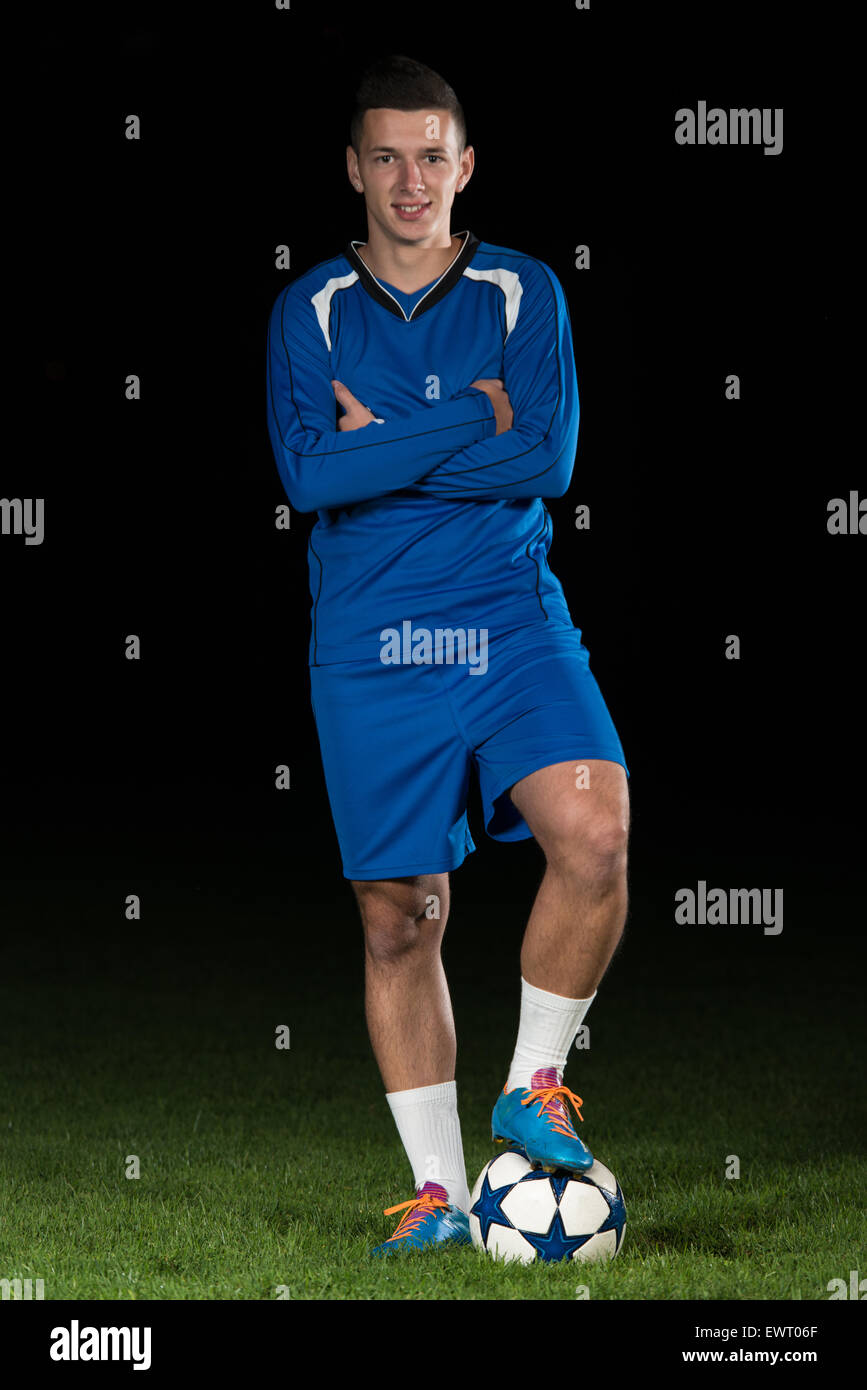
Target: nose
412, 177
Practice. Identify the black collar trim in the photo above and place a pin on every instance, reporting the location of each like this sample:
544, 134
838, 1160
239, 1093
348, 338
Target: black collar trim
447, 280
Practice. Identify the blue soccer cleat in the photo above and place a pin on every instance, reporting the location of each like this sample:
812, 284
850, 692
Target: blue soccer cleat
427, 1220
535, 1121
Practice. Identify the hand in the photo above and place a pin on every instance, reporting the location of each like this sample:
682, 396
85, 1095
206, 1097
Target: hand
357, 415
493, 388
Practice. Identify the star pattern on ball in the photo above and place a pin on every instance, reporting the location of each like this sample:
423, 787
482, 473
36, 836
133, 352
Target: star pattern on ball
616, 1206
616, 1214
559, 1182
488, 1209
556, 1245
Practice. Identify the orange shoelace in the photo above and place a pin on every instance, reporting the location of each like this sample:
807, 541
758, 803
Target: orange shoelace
417, 1210
553, 1100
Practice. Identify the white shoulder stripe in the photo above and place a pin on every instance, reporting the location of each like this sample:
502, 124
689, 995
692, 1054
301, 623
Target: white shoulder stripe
510, 283
321, 301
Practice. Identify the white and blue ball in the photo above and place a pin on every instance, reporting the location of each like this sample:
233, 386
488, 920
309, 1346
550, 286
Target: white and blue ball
518, 1212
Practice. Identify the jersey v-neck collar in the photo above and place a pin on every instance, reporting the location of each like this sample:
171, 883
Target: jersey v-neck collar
441, 287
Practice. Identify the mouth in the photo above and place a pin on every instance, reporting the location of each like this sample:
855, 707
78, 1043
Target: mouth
410, 212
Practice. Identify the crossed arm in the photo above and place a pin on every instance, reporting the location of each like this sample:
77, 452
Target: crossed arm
461, 448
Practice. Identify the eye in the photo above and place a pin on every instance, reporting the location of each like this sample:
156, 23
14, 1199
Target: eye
437, 157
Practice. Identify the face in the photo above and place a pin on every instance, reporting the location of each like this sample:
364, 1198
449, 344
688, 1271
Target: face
409, 158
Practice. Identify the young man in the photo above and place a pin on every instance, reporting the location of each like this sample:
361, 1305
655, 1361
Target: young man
440, 638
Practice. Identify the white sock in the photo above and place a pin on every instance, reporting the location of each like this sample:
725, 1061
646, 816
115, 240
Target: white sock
430, 1131
546, 1031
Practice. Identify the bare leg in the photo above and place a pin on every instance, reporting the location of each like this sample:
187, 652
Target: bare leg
580, 909
407, 1004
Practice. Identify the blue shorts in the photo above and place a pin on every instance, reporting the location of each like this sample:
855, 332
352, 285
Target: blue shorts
398, 744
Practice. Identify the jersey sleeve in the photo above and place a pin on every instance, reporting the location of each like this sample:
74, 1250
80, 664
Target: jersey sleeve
323, 467
536, 456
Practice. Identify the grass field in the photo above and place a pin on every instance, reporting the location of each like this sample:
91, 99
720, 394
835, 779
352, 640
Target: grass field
263, 1168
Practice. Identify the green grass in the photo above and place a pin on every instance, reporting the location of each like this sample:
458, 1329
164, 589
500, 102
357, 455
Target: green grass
263, 1168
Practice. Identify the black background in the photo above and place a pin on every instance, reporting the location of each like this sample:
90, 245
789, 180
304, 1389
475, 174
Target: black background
708, 517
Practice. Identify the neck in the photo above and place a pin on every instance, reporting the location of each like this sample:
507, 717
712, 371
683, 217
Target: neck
407, 267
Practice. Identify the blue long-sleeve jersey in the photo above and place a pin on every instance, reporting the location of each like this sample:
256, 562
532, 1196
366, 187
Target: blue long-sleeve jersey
429, 515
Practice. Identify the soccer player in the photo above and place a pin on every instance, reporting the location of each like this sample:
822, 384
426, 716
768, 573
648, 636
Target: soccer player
440, 638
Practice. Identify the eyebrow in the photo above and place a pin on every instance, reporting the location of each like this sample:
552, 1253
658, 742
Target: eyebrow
428, 149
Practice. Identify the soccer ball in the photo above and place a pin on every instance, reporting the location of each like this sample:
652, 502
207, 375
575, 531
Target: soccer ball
518, 1212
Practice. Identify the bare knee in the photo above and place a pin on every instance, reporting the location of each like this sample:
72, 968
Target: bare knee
591, 843
402, 915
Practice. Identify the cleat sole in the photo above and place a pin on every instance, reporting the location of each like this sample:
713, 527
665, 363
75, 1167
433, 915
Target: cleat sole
557, 1168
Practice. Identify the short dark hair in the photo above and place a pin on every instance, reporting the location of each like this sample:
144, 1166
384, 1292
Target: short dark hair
403, 84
